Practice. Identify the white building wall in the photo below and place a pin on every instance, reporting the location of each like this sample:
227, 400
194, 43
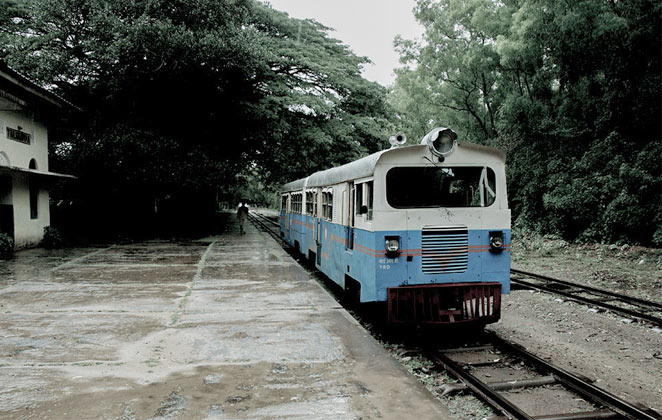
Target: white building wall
27, 231
20, 154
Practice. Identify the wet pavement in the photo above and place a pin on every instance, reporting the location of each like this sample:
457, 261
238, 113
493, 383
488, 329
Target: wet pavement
228, 327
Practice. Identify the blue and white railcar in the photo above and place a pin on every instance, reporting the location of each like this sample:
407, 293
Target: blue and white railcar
425, 228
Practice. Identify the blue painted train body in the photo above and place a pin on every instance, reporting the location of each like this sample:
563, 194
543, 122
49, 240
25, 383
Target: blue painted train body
431, 256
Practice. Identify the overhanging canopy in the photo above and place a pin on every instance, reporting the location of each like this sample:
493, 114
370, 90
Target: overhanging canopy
6, 169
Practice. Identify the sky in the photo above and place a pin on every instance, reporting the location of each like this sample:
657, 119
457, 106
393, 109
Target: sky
368, 27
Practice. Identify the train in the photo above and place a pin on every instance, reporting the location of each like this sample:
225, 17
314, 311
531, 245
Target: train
423, 229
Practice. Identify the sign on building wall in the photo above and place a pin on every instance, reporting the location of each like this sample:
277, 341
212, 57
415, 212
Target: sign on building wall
18, 135
12, 98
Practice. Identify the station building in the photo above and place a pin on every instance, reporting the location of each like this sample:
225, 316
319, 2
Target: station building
25, 112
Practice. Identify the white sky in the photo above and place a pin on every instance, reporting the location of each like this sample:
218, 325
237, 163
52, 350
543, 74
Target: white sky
368, 27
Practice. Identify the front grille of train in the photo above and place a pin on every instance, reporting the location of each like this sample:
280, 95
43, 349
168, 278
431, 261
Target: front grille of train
445, 250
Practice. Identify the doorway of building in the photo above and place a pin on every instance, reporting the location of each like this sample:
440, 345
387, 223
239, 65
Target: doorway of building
6, 206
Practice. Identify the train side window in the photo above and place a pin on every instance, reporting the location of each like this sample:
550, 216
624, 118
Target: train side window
327, 205
310, 203
323, 215
324, 204
359, 199
368, 198
315, 205
298, 197
364, 198
295, 203
283, 203
488, 187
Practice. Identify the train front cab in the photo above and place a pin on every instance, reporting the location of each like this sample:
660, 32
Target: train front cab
450, 222
443, 266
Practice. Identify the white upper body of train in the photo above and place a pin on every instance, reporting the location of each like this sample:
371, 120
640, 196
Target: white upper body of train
408, 188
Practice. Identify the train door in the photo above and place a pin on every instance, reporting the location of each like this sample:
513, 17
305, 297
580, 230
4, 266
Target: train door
349, 229
287, 216
317, 226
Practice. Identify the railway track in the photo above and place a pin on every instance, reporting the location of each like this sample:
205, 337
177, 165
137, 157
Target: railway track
263, 222
480, 367
625, 305
523, 380
264, 219
266, 225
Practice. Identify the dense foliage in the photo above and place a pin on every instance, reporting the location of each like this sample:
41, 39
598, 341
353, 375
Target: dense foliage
571, 90
52, 238
186, 99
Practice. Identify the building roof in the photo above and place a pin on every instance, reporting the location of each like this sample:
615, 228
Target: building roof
34, 172
25, 84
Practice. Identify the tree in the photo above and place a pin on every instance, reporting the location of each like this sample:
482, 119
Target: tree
457, 68
319, 111
569, 90
184, 97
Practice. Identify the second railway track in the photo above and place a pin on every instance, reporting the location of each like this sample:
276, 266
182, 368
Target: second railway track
625, 305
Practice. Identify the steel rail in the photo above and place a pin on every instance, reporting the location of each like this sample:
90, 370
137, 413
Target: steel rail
618, 296
613, 308
493, 398
265, 218
488, 392
583, 387
483, 390
269, 230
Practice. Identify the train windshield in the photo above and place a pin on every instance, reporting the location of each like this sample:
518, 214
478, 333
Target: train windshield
408, 187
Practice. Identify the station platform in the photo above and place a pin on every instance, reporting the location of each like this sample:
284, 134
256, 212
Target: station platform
230, 327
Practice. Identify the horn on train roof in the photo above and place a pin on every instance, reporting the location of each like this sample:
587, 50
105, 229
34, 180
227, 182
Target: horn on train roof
441, 141
398, 140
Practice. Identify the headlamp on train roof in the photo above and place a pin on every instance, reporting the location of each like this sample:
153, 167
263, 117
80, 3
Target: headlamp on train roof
441, 141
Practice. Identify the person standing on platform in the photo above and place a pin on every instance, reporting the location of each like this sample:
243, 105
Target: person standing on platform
242, 215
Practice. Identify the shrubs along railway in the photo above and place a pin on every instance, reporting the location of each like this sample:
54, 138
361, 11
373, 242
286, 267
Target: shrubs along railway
424, 229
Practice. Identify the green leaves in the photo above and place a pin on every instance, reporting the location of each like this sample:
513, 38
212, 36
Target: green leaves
319, 110
185, 96
568, 89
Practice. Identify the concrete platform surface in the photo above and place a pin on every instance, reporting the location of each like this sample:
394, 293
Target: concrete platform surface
225, 328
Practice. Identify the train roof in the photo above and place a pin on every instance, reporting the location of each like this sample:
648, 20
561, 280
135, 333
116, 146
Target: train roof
365, 166
360, 168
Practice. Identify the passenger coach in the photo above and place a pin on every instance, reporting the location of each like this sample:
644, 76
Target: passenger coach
425, 228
